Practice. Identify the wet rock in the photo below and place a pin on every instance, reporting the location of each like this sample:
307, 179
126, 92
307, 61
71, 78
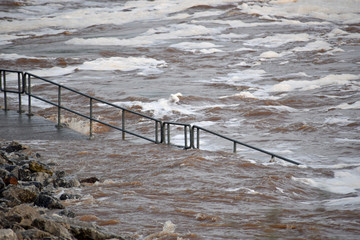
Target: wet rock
10, 179
39, 177
3, 173
67, 213
17, 195
21, 216
84, 233
36, 166
67, 182
52, 227
34, 234
7, 234
3, 158
47, 201
2, 184
66, 196
90, 180
32, 185
24, 173
14, 147
60, 174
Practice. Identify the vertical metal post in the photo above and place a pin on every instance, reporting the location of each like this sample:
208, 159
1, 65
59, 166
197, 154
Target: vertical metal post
156, 132
5, 94
123, 124
29, 95
234, 147
185, 136
59, 107
198, 138
168, 132
91, 118
19, 90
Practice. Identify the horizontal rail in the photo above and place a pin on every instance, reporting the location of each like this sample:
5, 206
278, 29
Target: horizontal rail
236, 142
24, 87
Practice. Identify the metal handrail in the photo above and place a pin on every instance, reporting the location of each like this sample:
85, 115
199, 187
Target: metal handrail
3, 87
24, 87
235, 142
187, 127
29, 76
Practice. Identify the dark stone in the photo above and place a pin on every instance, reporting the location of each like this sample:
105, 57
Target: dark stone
60, 174
4, 173
38, 185
18, 195
10, 179
52, 227
24, 173
90, 180
2, 184
86, 233
68, 182
14, 147
67, 213
34, 234
65, 196
47, 201
36, 166
3, 158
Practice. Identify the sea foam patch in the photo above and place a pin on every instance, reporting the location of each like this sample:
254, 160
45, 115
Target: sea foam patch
344, 181
329, 10
304, 85
143, 64
278, 40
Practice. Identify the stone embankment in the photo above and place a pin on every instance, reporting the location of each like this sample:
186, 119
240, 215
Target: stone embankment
29, 208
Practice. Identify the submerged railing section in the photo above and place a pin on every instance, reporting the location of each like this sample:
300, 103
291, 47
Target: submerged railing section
24, 84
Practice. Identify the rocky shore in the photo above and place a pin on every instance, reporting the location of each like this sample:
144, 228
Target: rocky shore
29, 208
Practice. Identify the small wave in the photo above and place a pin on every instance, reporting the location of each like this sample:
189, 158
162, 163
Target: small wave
304, 85
343, 182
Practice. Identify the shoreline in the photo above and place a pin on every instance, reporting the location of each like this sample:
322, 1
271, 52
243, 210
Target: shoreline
29, 208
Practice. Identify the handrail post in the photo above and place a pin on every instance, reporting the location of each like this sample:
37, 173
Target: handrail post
185, 136
19, 89
156, 132
198, 138
29, 94
5, 94
59, 107
163, 140
168, 132
234, 150
91, 118
123, 124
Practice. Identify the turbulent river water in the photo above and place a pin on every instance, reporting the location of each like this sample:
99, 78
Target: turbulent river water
281, 75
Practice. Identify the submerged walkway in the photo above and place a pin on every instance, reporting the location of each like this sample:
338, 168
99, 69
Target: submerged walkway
15, 126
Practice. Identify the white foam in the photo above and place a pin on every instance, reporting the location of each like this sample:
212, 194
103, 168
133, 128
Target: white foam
143, 64
304, 85
343, 182
14, 56
241, 77
150, 37
270, 54
6, 39
355, 105
52, 72
162, 107
203, 47
278, 40
329, 10
314, 46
